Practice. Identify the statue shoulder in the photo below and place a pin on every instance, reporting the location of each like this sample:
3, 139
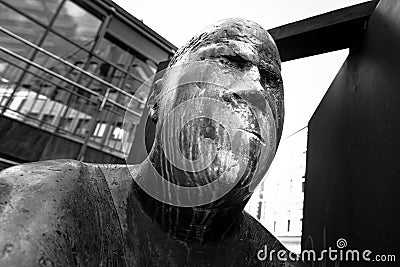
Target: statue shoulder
57, 212
261, 241
31, 184
42, 179
119, 177
40, 170
260, 235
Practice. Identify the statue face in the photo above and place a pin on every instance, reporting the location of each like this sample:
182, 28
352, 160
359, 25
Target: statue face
220, 108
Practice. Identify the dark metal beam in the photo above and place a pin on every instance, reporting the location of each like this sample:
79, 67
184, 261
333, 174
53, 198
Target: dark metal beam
324, 33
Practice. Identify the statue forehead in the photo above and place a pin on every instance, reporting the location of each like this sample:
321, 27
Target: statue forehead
233, 36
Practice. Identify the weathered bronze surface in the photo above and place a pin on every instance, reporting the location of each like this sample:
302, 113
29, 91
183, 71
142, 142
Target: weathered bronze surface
68, 213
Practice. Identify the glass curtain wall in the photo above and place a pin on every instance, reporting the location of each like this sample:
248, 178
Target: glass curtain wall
58, 97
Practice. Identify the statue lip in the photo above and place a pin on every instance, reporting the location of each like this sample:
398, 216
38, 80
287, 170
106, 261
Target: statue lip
255, 134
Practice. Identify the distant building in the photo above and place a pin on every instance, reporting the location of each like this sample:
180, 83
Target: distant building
49, 108
278, 202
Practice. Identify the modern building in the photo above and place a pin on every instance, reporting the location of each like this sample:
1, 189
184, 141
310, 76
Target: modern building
69, 72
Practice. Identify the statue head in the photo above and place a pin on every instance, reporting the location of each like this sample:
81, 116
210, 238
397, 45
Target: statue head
219, 111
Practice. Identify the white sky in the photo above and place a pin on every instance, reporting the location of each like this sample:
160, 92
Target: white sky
305, 80
179, 20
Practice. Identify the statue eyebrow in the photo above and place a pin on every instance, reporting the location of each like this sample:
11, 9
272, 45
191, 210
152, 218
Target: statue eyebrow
237, 59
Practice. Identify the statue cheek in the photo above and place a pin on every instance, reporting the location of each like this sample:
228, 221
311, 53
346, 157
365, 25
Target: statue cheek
241, 164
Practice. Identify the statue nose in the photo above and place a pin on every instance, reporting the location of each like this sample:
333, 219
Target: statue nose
248, 96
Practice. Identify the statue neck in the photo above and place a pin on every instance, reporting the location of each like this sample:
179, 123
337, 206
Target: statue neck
205, 224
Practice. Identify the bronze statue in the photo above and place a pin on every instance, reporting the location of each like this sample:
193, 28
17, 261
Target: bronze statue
69, 213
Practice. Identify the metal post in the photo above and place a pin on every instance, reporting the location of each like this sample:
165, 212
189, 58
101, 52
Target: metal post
93, 121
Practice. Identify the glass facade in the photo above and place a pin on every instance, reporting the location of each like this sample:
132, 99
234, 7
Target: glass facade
49, 92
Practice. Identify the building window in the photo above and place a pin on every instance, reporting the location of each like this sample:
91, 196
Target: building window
39, 9
141, 69
21, 105
18, 24
77, 24
66, 51
66, 123
100, 129
48, 119
118, 133
115, 53
82, 127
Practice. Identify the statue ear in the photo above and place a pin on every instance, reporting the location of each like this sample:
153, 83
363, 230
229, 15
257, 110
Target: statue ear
153, 100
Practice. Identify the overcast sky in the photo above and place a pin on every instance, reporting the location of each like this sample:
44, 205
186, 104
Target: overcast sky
179, 20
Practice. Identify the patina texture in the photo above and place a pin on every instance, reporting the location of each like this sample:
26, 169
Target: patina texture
242, 44
58, 213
